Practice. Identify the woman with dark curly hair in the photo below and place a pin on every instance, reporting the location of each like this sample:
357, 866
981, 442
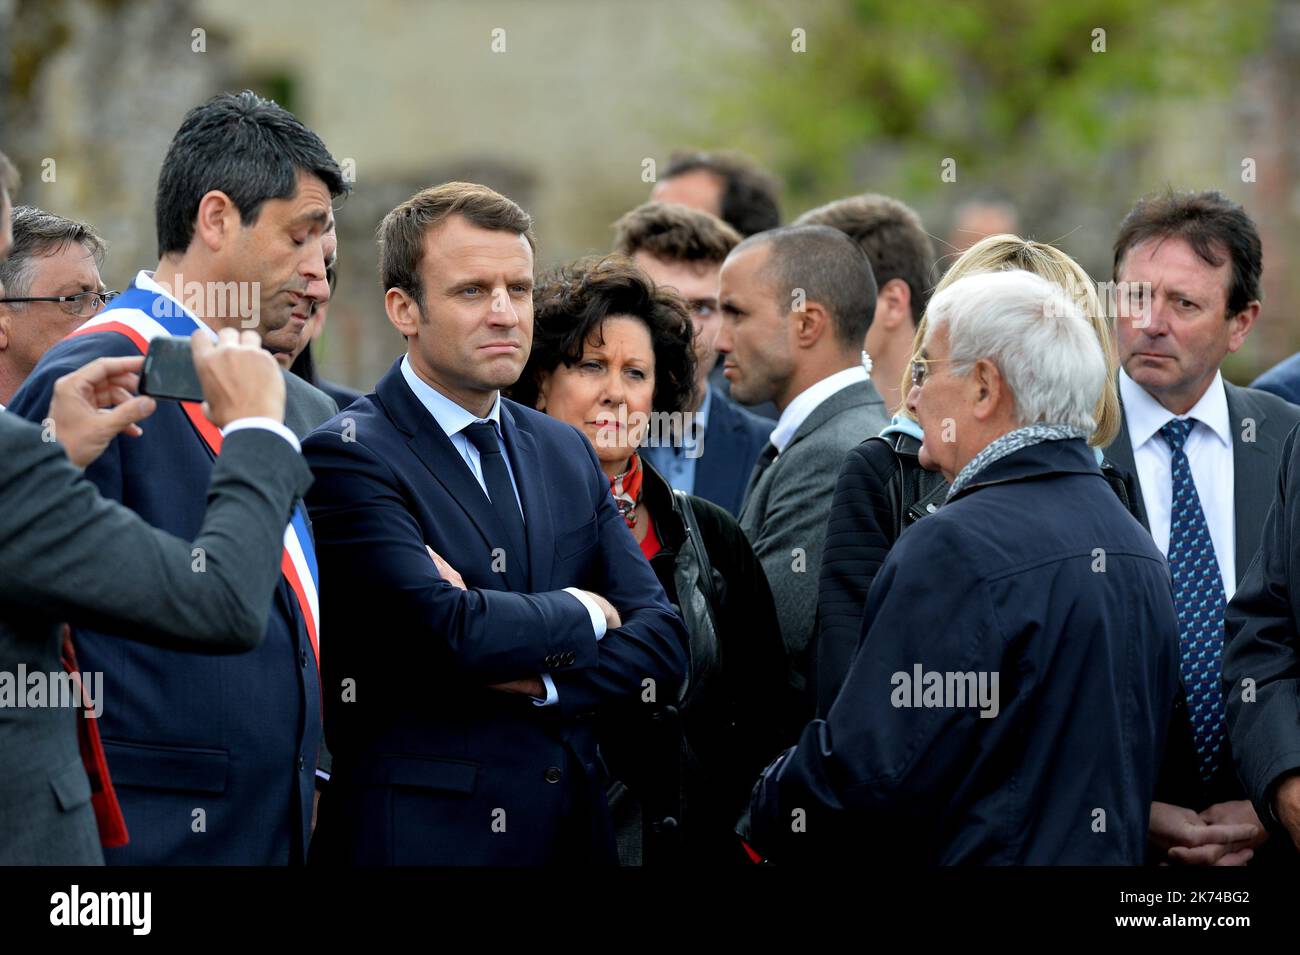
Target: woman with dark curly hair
612, 356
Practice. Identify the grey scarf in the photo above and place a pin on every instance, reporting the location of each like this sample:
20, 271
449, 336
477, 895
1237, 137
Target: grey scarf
1009, 443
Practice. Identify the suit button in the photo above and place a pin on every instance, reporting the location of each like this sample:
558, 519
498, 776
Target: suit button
302, 763
303, 657
569, 658
553, 775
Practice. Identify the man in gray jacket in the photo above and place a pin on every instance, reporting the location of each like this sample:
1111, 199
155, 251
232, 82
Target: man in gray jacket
796, 304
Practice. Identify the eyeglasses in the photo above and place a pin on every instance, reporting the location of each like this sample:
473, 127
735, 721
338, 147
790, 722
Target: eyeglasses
84, 304
919, 369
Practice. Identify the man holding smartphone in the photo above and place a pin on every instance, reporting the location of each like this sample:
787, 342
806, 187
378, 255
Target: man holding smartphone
214, 758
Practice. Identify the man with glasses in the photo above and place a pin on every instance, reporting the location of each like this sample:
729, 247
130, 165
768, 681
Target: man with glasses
51, 286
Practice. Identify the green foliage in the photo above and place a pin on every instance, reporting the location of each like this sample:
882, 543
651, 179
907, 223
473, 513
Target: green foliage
888, 88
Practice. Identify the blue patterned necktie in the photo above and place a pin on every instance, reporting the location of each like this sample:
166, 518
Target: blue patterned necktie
1199, 600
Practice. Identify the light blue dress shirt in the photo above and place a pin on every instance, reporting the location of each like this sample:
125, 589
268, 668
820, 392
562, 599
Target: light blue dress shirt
453, 419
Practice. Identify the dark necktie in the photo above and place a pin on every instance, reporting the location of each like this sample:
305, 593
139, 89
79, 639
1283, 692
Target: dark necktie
762, 464
501, 492
1199, 600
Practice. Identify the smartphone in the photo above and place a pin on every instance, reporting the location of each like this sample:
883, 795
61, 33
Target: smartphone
169, 370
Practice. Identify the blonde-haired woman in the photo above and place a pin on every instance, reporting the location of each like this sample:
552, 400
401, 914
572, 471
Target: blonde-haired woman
884, 487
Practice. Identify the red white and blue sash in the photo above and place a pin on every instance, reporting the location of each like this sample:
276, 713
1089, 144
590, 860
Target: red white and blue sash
141, 315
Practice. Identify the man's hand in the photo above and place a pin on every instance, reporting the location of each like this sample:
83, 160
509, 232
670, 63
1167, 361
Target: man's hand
532, 686
1188, 838
445, 570
612, 620
1287, 806
93, 405
239, 379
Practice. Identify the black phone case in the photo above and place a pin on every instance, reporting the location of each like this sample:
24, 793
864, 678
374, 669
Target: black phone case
169, 371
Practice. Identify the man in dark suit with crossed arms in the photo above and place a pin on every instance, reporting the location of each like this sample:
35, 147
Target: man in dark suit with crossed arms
471, 549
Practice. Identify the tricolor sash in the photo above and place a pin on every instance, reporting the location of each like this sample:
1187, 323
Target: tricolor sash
142, 315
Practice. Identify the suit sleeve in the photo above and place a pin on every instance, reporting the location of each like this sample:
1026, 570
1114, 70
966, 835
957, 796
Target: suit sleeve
789, 544
646, 657
370, 547
859, 535
1263, 648
69, 553
873, 768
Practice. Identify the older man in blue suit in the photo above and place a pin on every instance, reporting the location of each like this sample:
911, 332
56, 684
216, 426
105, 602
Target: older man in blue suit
488, 601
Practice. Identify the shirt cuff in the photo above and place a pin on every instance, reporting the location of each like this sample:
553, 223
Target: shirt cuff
268, 424
552, 696
597, 615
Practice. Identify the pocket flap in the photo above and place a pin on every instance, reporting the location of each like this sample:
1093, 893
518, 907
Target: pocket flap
424, 772
71, 787
183, 768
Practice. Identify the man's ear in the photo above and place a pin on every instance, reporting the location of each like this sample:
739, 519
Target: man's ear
893, 306
541, 379
810, 324
402, 311
1241, 324
988, 389
217, 220
5, 318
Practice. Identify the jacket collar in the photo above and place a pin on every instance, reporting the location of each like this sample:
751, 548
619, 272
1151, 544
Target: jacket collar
434, 449
1036, 461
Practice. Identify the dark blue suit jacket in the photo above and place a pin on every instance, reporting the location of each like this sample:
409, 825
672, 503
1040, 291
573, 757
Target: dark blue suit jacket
732, 443
1034, 573
234, 736
431, 766
1283, 380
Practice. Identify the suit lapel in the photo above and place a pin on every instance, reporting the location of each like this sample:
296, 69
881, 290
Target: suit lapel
538, 526
436, 452
1254, 466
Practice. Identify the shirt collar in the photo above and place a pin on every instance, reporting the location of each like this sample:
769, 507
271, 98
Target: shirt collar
806, 402
451, 417
144, 279
1145, 416
702, 415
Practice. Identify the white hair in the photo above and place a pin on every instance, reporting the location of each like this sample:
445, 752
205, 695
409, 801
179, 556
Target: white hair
1039, 339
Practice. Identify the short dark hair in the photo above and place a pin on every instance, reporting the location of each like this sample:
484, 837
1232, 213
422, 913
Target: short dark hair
571, 304
891, 234
38, 233
9, 178
1212, 224
830, 268
248, 147
750, 195
401, 234
674, 233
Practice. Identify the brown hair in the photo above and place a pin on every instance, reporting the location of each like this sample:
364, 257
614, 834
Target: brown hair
749, 201
674, 233
1212, 224
571, 304
891, 234
401, 234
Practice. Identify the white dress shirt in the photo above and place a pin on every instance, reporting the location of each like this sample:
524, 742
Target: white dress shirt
453, 419
806, 402
1209, 454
